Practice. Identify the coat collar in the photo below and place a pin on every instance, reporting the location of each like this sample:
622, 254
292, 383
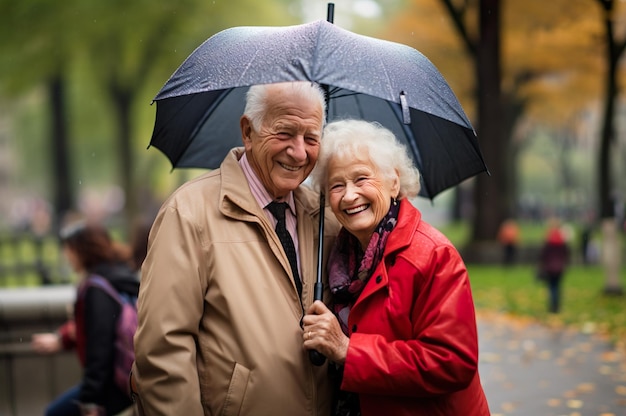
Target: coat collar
408, 222
236, 201
400, 238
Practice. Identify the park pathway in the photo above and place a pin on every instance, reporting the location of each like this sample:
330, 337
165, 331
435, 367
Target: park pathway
528, 369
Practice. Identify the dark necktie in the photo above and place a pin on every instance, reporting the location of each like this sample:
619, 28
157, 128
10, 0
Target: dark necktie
278, 211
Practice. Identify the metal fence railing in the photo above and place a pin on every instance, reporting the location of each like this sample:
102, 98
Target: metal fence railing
27, 259
28, 380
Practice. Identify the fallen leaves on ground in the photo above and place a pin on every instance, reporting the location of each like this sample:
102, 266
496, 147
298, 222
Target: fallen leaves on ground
563, 369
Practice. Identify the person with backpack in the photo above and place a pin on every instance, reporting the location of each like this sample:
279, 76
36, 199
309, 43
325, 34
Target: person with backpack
106, 284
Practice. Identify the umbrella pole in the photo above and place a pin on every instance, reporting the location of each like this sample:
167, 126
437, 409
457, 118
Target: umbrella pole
318, 291
316, 357
319, 286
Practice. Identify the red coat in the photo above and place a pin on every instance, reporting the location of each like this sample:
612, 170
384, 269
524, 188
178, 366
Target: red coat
413, 345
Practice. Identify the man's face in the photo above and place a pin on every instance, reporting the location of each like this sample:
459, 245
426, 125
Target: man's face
285, 150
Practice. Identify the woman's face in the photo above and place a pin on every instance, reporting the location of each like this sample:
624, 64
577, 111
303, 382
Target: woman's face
73, 259
358, 195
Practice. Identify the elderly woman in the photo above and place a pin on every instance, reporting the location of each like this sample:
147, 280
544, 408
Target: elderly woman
403, 328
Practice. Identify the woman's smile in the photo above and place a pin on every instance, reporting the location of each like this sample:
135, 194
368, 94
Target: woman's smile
356, 210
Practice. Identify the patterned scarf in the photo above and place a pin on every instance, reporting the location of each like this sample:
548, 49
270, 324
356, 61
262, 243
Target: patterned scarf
349, 267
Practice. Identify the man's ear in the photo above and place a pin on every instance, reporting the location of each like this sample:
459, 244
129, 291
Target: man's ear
246, 131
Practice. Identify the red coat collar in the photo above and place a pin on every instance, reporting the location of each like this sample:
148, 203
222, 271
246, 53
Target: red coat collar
400, 238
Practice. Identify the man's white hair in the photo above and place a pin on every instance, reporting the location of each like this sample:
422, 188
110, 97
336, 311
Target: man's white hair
256, 99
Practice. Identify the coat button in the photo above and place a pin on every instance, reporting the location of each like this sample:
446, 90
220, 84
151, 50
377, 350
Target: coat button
354, 328
379, 279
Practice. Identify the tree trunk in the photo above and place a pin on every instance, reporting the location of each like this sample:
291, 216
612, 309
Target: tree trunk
513, 108
490, 191
611, 257
610, 240
122, 104
63, 194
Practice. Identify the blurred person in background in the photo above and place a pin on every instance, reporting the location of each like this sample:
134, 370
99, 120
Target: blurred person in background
403, 329
553, 261
90, 251
508, 236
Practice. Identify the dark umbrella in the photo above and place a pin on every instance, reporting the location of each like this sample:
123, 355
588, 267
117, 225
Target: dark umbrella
199, 107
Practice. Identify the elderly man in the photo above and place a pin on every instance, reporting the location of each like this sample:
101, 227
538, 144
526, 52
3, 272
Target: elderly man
222, 295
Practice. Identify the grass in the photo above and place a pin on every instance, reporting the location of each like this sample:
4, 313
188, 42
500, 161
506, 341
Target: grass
516, 291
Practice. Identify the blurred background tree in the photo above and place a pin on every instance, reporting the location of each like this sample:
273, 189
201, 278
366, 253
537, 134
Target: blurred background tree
94, 67
530, 69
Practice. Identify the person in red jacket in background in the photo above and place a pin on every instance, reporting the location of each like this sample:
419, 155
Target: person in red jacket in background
402, 330
508, 237
554, 258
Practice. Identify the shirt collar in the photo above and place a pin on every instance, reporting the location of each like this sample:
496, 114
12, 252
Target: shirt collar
259, 192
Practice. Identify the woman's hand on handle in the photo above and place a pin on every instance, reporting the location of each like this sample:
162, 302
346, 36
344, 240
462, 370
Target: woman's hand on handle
322, 332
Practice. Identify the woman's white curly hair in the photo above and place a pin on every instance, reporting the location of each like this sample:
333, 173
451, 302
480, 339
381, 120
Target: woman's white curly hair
371, 141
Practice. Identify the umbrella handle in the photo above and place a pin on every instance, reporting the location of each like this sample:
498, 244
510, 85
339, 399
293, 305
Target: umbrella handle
315, 357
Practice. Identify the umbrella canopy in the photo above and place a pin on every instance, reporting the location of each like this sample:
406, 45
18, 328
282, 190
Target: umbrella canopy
199, 107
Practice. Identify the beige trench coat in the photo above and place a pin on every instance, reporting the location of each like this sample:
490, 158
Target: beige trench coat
219, 315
